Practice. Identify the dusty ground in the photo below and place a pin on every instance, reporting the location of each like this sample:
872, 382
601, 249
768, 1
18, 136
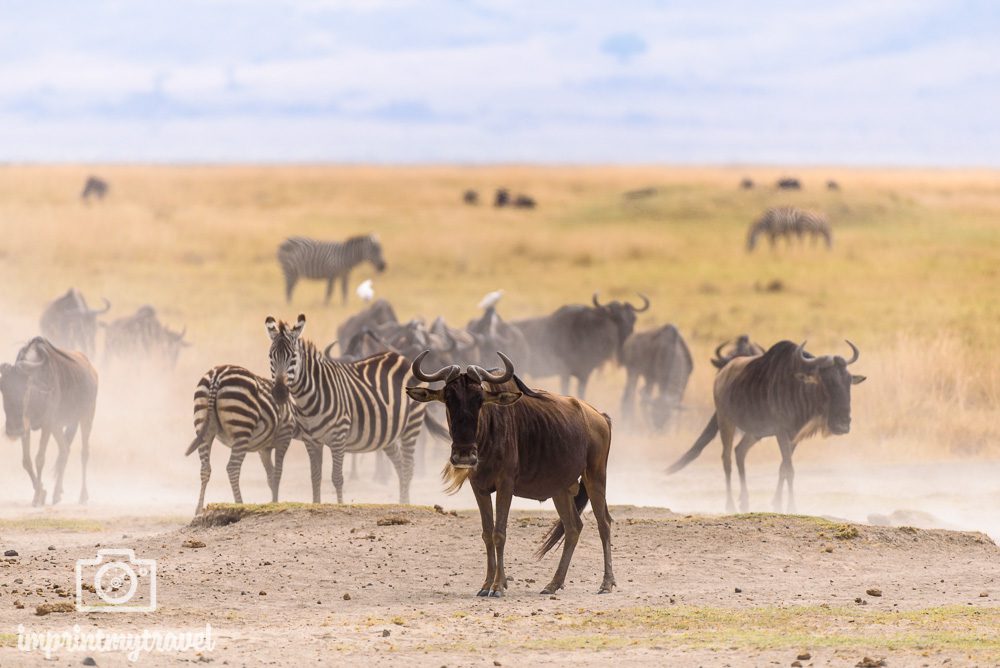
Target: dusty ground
693, 590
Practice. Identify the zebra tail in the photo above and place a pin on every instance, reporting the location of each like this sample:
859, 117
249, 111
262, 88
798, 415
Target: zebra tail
211, 417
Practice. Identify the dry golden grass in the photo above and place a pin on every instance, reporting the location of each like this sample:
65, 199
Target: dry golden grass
913, 278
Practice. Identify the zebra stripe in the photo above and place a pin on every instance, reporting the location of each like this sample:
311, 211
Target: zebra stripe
352, 407
785, 221
236, 406
301, 257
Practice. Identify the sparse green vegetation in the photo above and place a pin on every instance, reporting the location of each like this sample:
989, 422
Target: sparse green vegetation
67, 524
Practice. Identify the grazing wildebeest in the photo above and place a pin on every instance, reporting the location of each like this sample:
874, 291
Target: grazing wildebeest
55, 392
69, 323
785, 393
380, 312
742, 347
502, 197
94, 187
523, 202
746, 183
786, 221
661, 358
832, 185
470, 197
238, 407
509, 439
789, 183
576, 339
142, 337
301, 257
641, 193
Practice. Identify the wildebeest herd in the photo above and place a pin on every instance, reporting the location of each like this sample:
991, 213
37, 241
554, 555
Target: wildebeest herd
378, 395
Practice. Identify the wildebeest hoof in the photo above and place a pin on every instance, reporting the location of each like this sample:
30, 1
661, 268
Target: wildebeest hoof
551, 589
606, 588
483, 592
496, 593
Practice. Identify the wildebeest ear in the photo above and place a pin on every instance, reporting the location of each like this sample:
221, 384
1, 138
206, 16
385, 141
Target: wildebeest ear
807, 378
501, 398
272, 326
300, 324
424, 394
857, 380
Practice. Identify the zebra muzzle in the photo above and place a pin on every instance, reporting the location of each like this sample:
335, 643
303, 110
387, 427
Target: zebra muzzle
280, 393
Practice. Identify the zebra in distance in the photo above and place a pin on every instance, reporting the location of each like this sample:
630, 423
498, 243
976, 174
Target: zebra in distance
237, 407
352, 407
301, 257
786, 221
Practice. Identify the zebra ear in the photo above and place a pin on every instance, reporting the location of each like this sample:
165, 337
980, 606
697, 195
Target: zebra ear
299, 326
272, 326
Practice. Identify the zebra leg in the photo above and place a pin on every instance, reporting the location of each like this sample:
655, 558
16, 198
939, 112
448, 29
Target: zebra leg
205, 455
26, 462
85, 427
338, 472
315, 452
233, 469
265, 459
329, 289
43, 442
354, 466
63, 441
381, 468
343, 286
404, 469
290, 280
279, 463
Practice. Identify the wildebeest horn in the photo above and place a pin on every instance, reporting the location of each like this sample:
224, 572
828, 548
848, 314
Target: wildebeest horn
800, 352
718, 351
326, 351
26, 365
445, 373
597, 304
485, 376
645, 306
856, 355
107, 307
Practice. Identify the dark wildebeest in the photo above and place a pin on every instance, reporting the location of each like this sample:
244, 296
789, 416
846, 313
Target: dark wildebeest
640, 193
785, 393
55, 392
576, 339
746, 183
502, 197
789, 183
378, 313
470, 197
514, 441
141, 336
523, 202
492, 333
661, 358
742, 347
69, 323
94, 187
832, 185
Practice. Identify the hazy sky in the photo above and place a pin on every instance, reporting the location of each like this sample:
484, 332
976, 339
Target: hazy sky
711, 81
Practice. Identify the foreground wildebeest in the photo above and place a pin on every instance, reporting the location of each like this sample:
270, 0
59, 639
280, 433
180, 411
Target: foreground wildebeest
742, 347
515, 441
55, 392
69, 323
142, 337
789, 183
785, 393
94, 187
788, 221
470, 197
502, 197
576, 339
661, 358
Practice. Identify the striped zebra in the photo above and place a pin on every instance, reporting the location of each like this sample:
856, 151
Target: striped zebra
352, 407
785, 221
237, 407
301, 257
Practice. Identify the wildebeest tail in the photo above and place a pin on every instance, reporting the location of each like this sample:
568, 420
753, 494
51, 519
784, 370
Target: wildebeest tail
706, 437
556, 533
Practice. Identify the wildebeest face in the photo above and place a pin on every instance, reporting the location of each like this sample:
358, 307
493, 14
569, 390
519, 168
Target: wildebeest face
284, 354
623, 314
14, 386
464, 397
831, 372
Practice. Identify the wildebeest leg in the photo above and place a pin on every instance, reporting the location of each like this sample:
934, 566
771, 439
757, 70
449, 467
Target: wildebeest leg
564, 385
279, 462
205, 455
581, 385
726, 433
85, 427
36, 482
742, 449
329, 289
504, 495
43, 442
337, 473
572, 525
234, 467
628, 396
595, 483
265, 459
62, 440
485, 504
315, 452
785, 472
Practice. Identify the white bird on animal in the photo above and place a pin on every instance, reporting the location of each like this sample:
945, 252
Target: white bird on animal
365, 291
490, 299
